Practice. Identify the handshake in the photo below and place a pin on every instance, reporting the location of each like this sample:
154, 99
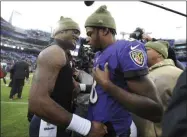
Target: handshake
97, 129
102, 130
91, 129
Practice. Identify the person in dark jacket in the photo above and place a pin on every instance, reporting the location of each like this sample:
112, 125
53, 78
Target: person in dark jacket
174, 122
18, 72
172, 55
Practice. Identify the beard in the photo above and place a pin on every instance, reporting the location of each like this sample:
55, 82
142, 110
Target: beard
66, 44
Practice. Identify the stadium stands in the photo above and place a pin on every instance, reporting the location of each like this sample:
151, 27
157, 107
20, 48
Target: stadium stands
18, 44
180, 50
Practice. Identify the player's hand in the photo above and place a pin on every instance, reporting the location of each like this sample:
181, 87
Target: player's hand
146, 37
97, 129
101, 77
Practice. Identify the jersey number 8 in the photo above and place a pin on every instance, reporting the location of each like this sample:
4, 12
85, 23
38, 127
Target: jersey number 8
93, 94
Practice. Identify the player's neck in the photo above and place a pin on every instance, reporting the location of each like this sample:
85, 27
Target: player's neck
65, 44
108, 43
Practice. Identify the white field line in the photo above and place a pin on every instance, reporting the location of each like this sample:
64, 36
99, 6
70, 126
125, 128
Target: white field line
8, 102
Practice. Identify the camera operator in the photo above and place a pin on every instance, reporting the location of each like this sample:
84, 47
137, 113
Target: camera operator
85, 56
140, 35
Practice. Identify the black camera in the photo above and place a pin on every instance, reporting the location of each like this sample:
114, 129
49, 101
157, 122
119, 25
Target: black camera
85, 56
137, 34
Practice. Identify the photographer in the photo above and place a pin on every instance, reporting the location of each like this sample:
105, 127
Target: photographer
85, 56
140, 35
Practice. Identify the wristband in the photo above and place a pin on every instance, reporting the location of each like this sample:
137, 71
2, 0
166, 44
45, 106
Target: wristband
82, 87
79, 125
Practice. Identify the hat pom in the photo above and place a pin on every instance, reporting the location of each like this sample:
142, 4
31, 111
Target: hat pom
101, 9
61, 18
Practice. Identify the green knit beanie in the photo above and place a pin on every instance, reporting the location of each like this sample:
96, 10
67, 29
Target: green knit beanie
65, 24
160, 46
101, 18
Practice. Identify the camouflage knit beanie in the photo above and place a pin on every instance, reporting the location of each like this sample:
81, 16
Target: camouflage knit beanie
101, 18
159, 46
65, 24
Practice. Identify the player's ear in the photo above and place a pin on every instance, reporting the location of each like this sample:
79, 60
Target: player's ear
160, 55
106, 31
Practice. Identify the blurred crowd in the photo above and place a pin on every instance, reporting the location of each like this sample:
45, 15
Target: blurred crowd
11, 57
38, 34
7, 41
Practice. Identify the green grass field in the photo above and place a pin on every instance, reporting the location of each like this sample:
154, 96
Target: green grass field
14, 121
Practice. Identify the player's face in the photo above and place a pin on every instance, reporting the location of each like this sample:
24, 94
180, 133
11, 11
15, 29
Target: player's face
70, 35
152, 56
94, 34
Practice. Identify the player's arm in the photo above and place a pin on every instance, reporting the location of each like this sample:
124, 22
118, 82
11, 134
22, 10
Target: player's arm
139, 84
141, 97
142, 100
43, 82
40, 103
